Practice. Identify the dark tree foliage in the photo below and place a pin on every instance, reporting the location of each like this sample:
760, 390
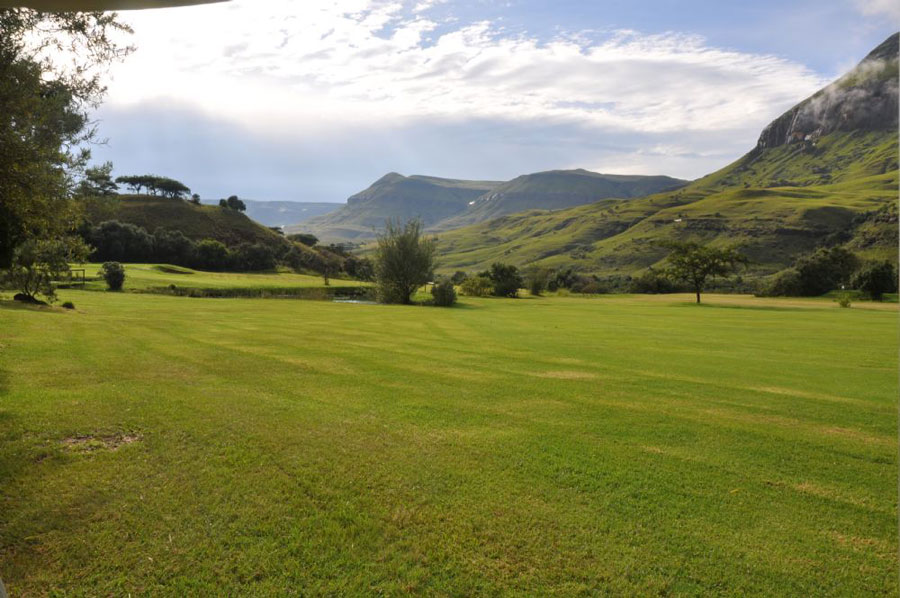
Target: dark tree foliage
696, 264
37, 263
651, 282
98, 182
114, 275
506, 279
404, 261
443, 293
213, 255
172, 247
253, 257
233, 203
876, 279
155, 185
50, 79
305, 238
825, 270
458, 277
359, 268
121, 241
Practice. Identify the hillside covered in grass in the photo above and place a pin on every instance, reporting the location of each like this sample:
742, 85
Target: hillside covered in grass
821, 175
197, 222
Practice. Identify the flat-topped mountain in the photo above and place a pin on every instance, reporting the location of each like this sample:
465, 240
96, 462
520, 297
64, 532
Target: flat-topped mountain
444, 204
398, 197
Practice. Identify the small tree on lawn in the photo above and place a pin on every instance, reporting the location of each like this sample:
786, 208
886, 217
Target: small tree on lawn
507, 280
37, 263
404, 261
696, 264
114, 275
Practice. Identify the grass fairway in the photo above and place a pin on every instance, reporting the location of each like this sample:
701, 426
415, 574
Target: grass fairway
154, 445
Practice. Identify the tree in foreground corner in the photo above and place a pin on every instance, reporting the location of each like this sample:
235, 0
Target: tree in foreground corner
696, 264
404, 261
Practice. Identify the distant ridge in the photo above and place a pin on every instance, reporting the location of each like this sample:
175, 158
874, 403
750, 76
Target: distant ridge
443, 204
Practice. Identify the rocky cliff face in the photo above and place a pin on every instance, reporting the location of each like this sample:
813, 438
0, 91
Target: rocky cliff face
863, 99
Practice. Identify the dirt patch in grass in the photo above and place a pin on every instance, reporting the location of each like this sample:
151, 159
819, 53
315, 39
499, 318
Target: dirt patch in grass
90, 443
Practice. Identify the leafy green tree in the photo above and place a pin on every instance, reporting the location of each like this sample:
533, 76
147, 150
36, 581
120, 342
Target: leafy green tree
98, 182
213, 255
696, 264
477, 286
825, 270
458, 277
876, 280
121, 241
37, 263
51, 67
233, 203
305, 238
114, 275
506, 279
404, 261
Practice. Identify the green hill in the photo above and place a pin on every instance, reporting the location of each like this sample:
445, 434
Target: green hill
823, 174
395, 196
197, 222
554, 190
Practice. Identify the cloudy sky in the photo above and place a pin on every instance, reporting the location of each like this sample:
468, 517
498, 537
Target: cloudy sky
312, 100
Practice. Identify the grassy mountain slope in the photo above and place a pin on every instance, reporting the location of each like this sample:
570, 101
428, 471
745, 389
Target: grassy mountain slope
556, 189
395, 196
823, 174
195, 221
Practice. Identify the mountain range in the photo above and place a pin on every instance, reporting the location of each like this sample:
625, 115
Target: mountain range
283, 213
444, 204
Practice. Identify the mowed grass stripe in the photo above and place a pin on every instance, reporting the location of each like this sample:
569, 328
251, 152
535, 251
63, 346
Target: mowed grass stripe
556, 446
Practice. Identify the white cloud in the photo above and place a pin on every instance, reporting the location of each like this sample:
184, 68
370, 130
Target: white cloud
889, 8
450, 98
304, 62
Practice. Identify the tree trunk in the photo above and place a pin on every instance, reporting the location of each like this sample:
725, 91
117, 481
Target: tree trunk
698, 295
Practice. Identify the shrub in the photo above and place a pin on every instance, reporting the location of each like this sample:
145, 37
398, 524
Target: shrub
537, 280
844, 299
477, 286
876, 280
786, 284
651, 282
114, 275
507, 280
444, 294
68, 305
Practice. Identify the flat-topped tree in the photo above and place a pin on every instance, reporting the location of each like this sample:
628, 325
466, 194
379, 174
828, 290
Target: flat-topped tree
696, 264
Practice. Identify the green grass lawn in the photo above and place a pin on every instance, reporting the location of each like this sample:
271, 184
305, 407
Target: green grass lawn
622, 446
141, 277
